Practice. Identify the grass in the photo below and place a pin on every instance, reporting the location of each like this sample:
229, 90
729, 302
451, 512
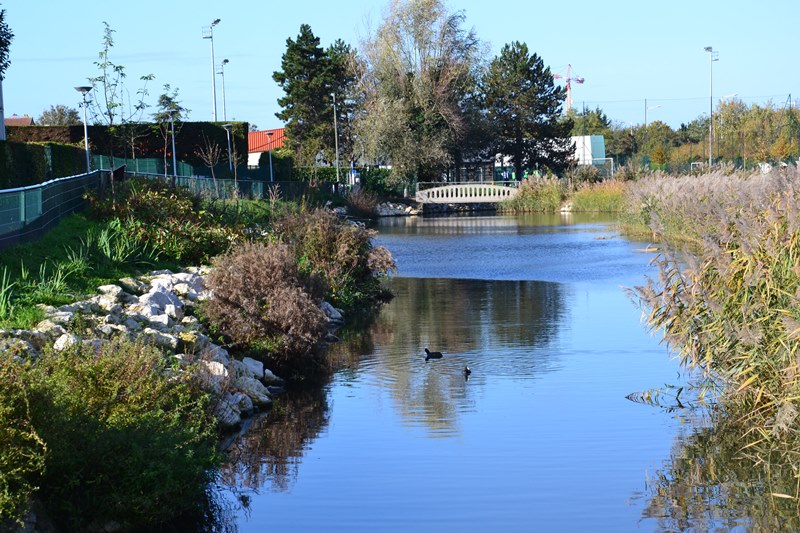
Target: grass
543, 196
604, 197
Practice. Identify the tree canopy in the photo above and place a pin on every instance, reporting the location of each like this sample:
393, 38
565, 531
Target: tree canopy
524, 104
417, 69
59, 115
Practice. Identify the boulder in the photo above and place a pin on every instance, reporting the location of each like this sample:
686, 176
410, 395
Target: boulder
160, 297
113, 292
227, 413
133, 286
161, 339
65, 341
255, 367
269, 377
214, 375
333, 314
254, 389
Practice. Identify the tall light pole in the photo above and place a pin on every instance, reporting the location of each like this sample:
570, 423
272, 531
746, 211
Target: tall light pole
222, 73
712, 56
335, 136
84, 90
228, 131
174, 157
269, 147
208, 33
645, 118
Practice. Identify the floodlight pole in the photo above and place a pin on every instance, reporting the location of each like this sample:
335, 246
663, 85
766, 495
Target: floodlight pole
711, 59
210, 36
335, 137
269, 146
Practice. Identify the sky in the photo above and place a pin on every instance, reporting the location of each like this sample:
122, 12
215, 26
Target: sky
640, 60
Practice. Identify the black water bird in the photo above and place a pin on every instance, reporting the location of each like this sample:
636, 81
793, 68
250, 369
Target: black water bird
432, 355
467, 372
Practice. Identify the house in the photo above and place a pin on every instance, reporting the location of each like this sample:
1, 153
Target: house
259, 142
15, 120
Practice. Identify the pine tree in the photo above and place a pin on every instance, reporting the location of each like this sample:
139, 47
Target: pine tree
306, 107
524, 104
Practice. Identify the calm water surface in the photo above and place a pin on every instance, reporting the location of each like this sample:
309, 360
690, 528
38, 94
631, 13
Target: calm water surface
541, 436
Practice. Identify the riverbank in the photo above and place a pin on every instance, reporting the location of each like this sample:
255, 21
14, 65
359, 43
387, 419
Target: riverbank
152, 336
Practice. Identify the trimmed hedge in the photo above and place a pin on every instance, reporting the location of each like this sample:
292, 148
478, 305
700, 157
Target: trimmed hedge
148, 142
23, 164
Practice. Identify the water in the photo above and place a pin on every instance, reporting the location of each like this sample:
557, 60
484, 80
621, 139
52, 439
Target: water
540, 437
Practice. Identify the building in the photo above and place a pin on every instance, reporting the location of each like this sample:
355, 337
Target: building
259, 142
16, 120
589, 149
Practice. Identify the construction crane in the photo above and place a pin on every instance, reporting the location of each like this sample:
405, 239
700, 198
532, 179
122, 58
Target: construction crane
569, 78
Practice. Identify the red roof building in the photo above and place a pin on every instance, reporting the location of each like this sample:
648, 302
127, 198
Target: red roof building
15, 120
262, 141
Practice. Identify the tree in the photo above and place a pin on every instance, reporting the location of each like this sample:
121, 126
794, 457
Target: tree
341, 71
168, 118
307, 112
6, 36
589, 122
59, 115
417, 70
108, 104
524, 104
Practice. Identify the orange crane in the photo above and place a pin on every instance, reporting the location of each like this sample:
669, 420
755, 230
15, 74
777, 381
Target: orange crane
569, 78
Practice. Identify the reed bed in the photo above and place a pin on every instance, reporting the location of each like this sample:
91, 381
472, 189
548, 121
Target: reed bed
603, 197
731, 307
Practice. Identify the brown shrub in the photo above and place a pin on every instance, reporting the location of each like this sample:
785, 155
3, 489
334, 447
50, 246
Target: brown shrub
362, 203
262, 300
338, 252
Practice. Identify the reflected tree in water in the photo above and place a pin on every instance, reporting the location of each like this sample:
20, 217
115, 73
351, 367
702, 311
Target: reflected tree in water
271, 449
710, 483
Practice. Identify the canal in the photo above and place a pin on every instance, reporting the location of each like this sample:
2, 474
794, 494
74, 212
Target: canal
539, 437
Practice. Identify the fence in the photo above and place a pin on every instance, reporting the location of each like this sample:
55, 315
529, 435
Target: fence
223, 189
147, 165
27, 213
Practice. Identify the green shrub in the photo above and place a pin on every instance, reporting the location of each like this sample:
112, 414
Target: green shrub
262, 299
128, 439
22, 451
168, 220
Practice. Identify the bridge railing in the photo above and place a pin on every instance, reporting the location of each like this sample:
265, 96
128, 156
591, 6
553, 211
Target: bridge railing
423, 185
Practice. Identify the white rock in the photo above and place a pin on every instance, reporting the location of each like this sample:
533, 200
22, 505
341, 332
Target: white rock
333, 314
61, 318
159, 320
174, 312
213, 352
132, 325
160, 298
161, 339
227, 413
269, 377
111, 291
65, 341
254, 389
255, 367
214, 374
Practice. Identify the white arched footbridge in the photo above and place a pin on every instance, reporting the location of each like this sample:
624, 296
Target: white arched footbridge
464, 193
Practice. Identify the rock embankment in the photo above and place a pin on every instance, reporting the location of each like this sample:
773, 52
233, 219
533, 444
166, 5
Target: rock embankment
157, 308
390, 209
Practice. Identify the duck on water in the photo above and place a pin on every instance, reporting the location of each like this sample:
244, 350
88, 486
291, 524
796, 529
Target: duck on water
432, 355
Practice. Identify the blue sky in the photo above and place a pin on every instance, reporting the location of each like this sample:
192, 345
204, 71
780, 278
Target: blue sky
627, 51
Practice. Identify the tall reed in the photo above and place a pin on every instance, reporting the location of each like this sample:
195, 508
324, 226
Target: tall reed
732, 307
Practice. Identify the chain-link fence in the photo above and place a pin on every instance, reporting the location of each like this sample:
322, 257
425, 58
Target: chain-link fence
27, 213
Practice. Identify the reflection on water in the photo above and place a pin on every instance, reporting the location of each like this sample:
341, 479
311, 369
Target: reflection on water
541, 437
500, 328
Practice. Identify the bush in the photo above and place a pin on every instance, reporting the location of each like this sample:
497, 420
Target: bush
169, 220
362, 203
22, 451
338, 252
261, 299
128, 439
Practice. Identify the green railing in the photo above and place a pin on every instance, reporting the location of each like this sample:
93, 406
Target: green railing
27, 213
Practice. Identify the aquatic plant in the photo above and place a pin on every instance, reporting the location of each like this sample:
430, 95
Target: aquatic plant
731, 309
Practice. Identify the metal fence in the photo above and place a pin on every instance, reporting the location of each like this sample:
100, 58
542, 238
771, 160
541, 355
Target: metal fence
27, 213
225, 189
146, 165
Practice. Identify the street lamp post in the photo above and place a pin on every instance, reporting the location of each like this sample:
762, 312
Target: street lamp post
712, 56
335, 136
222, 73
174, 157
269, 146
645, 119
230, 159
209, 34
84, 90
